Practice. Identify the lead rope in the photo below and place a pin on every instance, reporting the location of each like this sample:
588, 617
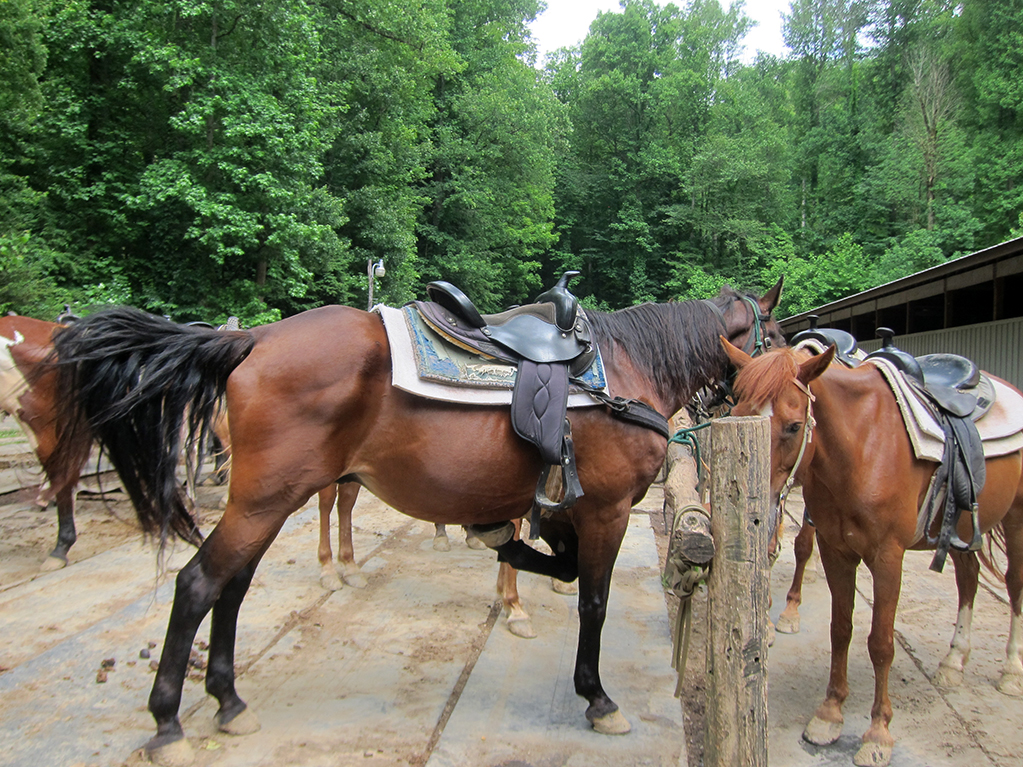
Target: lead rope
682, 578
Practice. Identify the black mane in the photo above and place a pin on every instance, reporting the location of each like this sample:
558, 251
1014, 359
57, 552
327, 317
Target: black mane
675, 345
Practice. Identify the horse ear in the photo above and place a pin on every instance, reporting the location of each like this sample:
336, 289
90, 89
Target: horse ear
738, 357
816, 365
769, 301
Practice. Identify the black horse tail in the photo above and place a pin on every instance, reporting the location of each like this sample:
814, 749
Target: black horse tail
131, 380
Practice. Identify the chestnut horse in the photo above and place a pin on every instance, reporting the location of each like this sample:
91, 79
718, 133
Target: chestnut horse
310, 402
863, 487
27, 393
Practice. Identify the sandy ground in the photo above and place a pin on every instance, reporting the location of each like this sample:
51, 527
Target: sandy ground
416, 635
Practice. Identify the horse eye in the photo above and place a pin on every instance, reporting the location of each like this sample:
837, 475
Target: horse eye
794, 428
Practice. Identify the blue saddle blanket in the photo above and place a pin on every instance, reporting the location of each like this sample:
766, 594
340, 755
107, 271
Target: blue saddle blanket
428, 365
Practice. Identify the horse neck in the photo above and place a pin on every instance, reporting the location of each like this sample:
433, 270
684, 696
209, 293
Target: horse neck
661, 353
851, 407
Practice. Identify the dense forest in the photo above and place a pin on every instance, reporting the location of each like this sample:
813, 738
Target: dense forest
206, 158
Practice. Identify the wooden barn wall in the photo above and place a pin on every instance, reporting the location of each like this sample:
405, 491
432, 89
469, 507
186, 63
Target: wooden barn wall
995, 346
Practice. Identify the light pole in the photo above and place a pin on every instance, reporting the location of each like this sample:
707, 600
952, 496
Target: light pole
372, 271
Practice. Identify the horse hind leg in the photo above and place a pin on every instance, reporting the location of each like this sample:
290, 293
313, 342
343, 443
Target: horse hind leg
347, 494
215, 578
519, 622
788, 620
66, 535
440, 538
1011, 681
329, 579
950, 669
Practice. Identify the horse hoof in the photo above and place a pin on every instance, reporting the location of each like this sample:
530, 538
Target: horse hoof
475, 543
245, 723
330, 581
441, 543
522, 627
787, 625
52, 563
770, 634
356, 580
948, 676
564, 587
873, 755
614, 723
178, 753
1011, 684
822, 733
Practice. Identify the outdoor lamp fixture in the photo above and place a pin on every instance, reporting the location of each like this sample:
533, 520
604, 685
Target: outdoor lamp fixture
372, 271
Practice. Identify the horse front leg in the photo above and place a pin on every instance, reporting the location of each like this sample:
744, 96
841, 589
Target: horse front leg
886, 569
950, 669
826, 725
66, 534
597, 548
788, 620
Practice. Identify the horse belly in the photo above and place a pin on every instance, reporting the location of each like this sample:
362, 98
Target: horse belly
449, 464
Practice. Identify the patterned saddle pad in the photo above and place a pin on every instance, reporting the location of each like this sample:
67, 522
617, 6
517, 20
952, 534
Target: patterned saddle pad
426, 365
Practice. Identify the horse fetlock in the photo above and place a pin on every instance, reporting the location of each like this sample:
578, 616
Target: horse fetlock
821, 732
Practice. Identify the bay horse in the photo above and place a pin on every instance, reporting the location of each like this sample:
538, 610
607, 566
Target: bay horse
311, 402
863, 486
27, 392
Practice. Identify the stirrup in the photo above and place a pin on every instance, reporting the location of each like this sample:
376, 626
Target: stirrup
569, 478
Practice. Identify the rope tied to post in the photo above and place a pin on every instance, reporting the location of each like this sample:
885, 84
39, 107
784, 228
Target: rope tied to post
682, 577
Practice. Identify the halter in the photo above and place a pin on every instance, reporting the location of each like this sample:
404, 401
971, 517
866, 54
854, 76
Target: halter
757, 343
808, 425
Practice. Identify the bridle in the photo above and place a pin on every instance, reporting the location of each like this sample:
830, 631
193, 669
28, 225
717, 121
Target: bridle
808, 425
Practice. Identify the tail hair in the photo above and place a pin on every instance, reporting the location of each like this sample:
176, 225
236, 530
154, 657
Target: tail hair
131, 380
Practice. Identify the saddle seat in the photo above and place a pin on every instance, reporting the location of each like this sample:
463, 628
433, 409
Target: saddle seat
954, 383
554, 329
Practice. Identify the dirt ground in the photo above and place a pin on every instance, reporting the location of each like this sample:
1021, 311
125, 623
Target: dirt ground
972, 725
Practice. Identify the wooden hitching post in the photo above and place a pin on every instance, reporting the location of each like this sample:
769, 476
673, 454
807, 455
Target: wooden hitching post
737, 594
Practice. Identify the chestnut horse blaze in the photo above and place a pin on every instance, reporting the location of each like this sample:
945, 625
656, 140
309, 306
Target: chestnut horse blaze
311, 402
863, 487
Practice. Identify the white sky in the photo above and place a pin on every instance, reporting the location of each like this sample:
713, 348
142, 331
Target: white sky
566, 22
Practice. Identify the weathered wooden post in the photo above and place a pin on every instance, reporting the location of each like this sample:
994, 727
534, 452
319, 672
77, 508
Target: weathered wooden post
737, 594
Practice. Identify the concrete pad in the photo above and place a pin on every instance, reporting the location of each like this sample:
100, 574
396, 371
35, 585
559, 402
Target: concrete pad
520, 706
